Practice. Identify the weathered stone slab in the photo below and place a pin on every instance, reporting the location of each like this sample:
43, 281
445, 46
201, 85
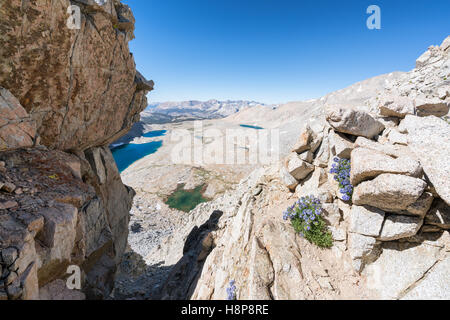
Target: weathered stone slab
368, 164
353, 121
399, 267
396, 106
360, 248
287, 179
389, 192
431, 107
399, 226
435, 285
59, 230
366, 220
298, 168
340, 146
303, 142
429, 139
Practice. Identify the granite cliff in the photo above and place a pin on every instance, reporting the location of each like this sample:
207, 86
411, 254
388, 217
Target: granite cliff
65, 95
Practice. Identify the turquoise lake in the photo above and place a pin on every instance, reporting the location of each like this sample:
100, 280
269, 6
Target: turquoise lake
125, 155
251, 127
156, 133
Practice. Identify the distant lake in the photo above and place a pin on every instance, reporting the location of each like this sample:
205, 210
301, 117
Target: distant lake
251, 127
125, 155
156, 133
186, 200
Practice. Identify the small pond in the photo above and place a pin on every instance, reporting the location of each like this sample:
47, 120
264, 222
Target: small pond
186, 200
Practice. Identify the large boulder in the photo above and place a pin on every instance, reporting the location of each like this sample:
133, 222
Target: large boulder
389, 192
59, 232
367, 164
323, 154
423, 59
116, 196
303, 142
432, 55
79, 86
353, 121
429, 139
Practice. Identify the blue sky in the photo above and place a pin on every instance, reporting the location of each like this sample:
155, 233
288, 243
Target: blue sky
276, 51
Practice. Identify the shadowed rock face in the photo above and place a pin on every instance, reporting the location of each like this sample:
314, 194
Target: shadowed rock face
64, 90
66, 213
80, 86
197, 247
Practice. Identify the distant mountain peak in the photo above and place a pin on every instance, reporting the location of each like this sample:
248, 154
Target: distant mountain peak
194, 109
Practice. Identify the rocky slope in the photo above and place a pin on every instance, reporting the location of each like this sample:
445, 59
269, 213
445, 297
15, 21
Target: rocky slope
65, 94
391, 240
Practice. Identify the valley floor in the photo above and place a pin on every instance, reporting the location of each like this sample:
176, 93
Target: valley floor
155, 178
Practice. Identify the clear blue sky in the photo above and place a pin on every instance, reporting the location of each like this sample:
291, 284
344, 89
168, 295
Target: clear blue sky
277, 50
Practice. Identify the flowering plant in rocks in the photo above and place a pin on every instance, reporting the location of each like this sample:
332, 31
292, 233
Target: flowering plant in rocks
306, 218
341, 169
231, 291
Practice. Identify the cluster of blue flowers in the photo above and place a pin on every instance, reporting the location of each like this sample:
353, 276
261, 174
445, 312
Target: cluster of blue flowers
307, 209
231, 291
341, 169
306, 218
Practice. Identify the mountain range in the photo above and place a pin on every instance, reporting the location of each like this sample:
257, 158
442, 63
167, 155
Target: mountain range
166, 112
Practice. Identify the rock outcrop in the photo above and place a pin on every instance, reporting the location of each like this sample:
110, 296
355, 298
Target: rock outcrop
71, 81
429, 139
65, 94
